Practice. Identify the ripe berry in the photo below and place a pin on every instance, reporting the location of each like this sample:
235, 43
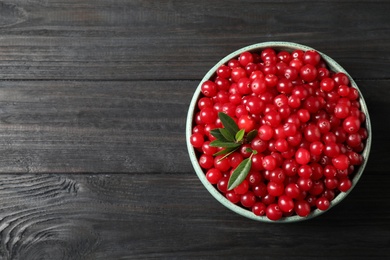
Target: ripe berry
302, 156
242, 188
248, 199
233, 197
272, 118
340, 79
292, 190
308, 73
265, 132
255, 105
245, 58
311, 57
275, 189
224, 71
213, 175
222, 184
244, 86
206, 161
285, 203
197, 140
259, 209
273, 212
259, 86
341, 162
208, 115
221, 164
345, 185
277, 175
327, 84
209, 88
351, 124
322, 203
310, 131
302, 208
254, 178
269, 162
304, 184
246, 122
316, 148
238, 73
207, 149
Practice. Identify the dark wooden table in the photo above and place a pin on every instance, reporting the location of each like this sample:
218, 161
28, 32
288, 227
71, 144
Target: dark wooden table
93, 102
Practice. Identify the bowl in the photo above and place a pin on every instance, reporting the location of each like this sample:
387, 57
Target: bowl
278, 46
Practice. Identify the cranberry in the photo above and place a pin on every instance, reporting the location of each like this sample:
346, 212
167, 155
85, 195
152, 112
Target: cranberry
254, 178
206, 161
351, 124
302, 208
292, 190
222, 184
265, 132
233, 197
258, 86
285, 203
327, 84
197, 140
246, 122
341, 162
242, 188
238, 73
259, 209
245, 58
273, 212
272, 118
311, 57
341, 79
224, 71
248, 199
310, 131
275, 189
302, 156
308, 72
209, 88
345, 185
213, 175
208, 115
322, 203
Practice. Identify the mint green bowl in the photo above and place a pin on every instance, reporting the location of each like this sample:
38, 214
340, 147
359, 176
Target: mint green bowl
287, 46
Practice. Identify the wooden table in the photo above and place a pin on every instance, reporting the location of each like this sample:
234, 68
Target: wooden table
93, 102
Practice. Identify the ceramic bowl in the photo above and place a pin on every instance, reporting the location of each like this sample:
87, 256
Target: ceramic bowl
278, 46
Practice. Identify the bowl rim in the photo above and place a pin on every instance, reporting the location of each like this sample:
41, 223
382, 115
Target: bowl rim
277, 45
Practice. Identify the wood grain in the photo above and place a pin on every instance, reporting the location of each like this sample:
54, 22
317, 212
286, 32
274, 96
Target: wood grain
123, 217
112, 127
149, 40
93, 126
93, 102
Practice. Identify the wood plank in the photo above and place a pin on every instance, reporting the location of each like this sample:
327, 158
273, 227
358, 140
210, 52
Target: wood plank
93, 126
90, 127
171, 216
141, 40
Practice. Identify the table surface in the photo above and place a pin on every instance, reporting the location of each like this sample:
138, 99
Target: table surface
93, 103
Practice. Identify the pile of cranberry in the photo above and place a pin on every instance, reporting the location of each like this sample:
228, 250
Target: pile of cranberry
311, 131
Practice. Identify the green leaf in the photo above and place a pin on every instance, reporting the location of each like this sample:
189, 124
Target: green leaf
217, 134
240, 173
249, 150
218, 143
239, 135
228, 136
228, 123
226, 151
251, 135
